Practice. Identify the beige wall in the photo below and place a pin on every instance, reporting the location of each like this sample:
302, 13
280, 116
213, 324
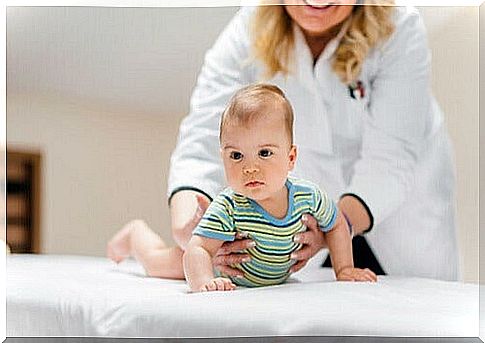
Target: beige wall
453, 38
100, 169
482, 173
106, 162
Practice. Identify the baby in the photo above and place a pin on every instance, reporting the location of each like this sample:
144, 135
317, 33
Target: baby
256, 140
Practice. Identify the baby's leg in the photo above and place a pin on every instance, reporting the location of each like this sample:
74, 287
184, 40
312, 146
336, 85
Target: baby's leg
136, 239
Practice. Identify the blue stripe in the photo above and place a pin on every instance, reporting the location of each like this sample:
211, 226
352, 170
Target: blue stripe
283, 225
272, 252
214, 235
276, 243
332, 222
258, 274
281, 268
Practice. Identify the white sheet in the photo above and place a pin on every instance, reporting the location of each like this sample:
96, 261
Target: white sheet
51, 295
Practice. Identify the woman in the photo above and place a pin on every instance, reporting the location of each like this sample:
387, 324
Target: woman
367, 128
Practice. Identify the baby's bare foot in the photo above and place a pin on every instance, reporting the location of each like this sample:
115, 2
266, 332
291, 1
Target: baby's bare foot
118, 248
111, 253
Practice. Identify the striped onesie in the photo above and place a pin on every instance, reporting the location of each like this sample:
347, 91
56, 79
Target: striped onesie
270, 262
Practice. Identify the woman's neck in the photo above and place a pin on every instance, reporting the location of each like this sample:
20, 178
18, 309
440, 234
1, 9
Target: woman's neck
317, 43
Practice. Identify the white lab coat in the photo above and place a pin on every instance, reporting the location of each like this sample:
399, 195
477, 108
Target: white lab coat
390, 147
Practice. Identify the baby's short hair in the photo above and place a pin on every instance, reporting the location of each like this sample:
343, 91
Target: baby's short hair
255, 100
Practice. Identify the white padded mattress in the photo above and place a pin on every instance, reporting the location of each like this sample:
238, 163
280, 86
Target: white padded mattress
52, 295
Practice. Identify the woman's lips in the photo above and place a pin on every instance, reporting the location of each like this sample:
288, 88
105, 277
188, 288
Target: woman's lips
317, 6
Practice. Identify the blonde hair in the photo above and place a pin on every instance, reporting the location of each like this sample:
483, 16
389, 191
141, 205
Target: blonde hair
368, 25
255, 100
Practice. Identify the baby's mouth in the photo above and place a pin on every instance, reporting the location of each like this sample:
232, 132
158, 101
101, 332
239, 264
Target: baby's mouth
252, 184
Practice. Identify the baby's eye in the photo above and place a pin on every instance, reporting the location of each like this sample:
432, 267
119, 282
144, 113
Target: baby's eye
265, 153
235, 155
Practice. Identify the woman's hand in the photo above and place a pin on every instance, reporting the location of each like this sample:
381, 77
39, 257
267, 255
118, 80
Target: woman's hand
230, 253
313, 241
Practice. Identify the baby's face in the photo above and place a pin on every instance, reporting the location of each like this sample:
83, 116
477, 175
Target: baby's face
258, 156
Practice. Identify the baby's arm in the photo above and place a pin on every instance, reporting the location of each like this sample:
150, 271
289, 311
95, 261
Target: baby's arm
340, 246
198, 270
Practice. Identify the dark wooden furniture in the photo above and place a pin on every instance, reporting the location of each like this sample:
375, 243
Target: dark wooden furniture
23, 201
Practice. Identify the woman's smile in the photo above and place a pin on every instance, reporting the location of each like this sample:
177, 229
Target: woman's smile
317, 6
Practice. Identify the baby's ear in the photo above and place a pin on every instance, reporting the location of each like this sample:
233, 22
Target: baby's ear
292, 157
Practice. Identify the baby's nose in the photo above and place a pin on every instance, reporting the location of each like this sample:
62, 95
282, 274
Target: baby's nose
250, 170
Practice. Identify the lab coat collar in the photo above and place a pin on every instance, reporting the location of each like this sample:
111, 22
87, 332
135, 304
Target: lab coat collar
334, 43
304, 67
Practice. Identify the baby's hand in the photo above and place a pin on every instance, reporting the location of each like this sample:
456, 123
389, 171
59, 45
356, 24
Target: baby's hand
356, 274
218, 284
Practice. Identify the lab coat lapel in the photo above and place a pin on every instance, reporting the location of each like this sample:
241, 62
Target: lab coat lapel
303, 61
305, 77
